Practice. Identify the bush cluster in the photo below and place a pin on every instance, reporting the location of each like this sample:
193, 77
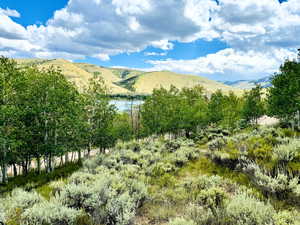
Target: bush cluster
107, 190
269, 158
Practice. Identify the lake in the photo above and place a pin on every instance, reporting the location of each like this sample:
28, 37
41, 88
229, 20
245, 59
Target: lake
125, 105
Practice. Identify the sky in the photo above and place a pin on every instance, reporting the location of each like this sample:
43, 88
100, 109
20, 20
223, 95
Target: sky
219, 39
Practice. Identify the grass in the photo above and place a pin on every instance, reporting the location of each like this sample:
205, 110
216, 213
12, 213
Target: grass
34, 181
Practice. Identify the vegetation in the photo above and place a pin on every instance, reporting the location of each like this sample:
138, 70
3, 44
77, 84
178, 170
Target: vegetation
183, 157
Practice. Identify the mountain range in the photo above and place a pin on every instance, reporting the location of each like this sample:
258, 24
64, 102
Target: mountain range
127, 81
264, 82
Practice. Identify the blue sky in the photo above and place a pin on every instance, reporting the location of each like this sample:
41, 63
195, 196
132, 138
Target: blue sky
222, 40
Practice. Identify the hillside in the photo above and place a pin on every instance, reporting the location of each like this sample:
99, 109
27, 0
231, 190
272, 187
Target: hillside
126, 81
146, 82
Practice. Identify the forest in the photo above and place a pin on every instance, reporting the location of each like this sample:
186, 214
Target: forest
184, 157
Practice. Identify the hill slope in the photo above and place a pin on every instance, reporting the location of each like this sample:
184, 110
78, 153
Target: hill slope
126, 81
146, 82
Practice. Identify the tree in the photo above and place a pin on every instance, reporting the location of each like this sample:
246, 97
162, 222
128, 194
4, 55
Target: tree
284, 95
253, 106
100, 114
215, 107
194, 105
9, 112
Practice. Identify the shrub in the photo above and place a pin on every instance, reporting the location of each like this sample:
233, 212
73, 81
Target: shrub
181, 221
81, 177
120, 210
195, 185
201, 215
2, 213
212, 198
77, 197
56, 186
160, 169
216, 144
46, 213
288, 152
280, 185
246, 210
287, 218
20, 200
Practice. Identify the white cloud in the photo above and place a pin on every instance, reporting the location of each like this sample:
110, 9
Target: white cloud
259, 33
8, 28
9, 12
102, 57
155, 53
234, 64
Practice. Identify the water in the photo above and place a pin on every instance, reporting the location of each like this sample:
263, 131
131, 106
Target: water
125, 105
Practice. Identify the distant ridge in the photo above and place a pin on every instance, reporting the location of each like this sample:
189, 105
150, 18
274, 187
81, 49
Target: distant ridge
264, 82
126, 81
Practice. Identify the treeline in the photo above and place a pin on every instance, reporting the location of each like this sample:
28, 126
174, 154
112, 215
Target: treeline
43, 116
189, 110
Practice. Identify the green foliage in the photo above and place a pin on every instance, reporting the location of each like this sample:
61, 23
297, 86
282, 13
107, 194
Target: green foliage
286, 217
288, 152
224, 110
253, 105
174, 110
50, 213
283, 96
246, 210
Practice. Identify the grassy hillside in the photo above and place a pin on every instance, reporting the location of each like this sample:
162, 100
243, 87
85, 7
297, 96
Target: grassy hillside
126, 81
146, 82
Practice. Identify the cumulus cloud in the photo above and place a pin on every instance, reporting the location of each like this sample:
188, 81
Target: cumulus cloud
232, 63
8, 28
9, 12
155, 53
259, 33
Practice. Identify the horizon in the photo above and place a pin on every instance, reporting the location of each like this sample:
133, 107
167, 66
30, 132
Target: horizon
198, 37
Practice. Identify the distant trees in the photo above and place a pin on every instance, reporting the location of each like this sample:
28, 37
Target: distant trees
284, 95
224, 110
253, 107
173, 111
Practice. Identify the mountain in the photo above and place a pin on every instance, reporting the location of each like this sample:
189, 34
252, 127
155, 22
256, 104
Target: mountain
249, 84
127, 81
146, 82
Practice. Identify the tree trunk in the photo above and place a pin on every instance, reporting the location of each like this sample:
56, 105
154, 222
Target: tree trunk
38, 161
15, 170
4, 173
79, 155
67, 157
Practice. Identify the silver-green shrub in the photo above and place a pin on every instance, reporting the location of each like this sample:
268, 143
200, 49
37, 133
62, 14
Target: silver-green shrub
287, 152
120, 210
81, 177
46, 213
19, 200
201, 215
243, 209
2, 213
57, 186
286, 217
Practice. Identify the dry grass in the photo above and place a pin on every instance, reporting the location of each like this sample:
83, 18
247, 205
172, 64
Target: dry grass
148, 81
143, 82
